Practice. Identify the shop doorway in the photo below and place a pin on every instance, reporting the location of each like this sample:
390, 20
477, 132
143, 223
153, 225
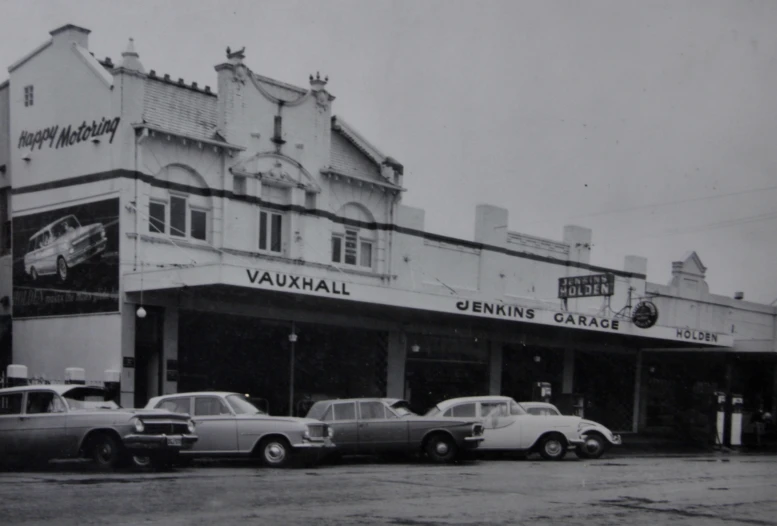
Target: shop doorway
149, 348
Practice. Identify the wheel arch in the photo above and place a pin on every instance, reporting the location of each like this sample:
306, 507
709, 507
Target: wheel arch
547, 434
83, 448
272, 434
436, 431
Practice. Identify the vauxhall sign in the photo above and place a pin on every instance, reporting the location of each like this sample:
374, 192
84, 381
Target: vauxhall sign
586, 286
62, 136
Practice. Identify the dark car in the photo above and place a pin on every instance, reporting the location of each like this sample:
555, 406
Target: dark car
47, 422
367, 426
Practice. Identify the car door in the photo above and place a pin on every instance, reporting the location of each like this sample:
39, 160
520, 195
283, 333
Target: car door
341, 416
44, 423
216, 426
11, 436
502, 430
379, 429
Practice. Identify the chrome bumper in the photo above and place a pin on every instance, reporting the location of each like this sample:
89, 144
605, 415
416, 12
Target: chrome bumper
616, 440
137, 442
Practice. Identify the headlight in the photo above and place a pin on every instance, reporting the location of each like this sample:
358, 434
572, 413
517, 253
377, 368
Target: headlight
190, 426
138, 424
330, 431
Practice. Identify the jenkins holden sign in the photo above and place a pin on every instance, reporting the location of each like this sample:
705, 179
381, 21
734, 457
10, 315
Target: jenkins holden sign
322, 285
586, 286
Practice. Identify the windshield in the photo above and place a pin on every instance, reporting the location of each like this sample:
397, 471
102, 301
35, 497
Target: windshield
401, 408
241, 406
88, 398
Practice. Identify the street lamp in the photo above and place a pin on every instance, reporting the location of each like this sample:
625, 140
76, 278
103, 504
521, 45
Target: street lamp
292, 341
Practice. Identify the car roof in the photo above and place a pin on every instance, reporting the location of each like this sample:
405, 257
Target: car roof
536, 404
196, 393
43, 229
497, 398
57, 388
390, 401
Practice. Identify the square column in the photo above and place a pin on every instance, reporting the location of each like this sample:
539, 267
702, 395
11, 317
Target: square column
395, 368
495, 368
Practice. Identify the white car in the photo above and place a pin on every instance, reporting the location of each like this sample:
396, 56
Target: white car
510, 427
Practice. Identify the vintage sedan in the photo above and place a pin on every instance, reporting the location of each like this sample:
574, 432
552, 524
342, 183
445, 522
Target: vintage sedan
510, 428
62, 245
366, 426
229, 425
47, 422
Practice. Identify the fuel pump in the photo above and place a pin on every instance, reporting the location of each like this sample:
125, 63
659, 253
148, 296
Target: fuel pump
720, 417
16, 375
541, 392
736, 419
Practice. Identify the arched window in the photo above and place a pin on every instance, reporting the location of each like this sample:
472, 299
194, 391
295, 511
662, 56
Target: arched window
353, 243
179, 204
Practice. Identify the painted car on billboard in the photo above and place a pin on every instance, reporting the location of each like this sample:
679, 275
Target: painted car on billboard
62, 245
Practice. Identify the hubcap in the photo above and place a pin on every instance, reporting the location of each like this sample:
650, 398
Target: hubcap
442, 448
553, 447
62, 268
275, 452
592, 445
105, 452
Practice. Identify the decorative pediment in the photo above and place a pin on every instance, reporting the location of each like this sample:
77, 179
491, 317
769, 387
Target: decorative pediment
690, 264
276, 169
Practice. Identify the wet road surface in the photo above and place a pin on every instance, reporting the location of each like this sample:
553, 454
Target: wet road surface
708, 490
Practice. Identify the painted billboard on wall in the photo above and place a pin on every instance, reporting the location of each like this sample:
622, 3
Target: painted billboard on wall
66, 261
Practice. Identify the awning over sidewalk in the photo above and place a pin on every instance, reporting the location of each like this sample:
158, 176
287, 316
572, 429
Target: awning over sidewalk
318, 288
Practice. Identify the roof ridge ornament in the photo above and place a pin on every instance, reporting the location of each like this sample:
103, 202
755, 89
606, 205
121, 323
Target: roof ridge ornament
130, 58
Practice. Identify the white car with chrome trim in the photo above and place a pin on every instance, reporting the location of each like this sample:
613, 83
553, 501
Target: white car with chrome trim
510, 427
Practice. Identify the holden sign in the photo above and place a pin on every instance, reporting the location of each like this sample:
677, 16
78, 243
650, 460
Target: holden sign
645, 315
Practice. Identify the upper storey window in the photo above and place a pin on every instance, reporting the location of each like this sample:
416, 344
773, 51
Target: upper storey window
179, 213
28, 96
354, 244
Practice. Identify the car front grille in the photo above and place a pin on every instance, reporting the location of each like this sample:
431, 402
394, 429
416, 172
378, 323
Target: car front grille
95, 238
157, 428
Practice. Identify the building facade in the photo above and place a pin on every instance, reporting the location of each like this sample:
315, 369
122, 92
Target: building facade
248, 239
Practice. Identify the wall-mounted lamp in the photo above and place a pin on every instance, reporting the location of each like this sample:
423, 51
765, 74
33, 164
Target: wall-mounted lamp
415, 347
2, 168
537, 359
27, 158
141, 312
96, 141
292, 337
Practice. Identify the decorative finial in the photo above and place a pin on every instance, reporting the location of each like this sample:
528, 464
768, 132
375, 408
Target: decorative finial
318, 76
229, 51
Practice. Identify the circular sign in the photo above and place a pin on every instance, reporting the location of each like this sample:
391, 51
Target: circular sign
645, 315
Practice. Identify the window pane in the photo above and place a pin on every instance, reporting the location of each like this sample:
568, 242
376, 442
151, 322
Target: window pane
345, 411
176, 405
467, 410
262, 230
209, 406
239, 185
371, 410
276, 233
156, 221
177, 216
11, 404
365, 255
199, 222
350, 247
41, 402
337, 247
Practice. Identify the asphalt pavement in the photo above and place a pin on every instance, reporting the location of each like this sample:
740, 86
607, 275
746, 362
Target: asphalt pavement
709, 489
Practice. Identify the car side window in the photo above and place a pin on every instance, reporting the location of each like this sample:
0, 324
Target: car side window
515, 409
464, 410
372, 411
489, 409
449, 412
210, 406
175, 405
345, 411
39, 402
11, 404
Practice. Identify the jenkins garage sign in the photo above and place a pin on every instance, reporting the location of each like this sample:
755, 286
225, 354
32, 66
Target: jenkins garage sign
586, 286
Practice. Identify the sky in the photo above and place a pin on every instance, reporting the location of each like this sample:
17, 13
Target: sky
652, 122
